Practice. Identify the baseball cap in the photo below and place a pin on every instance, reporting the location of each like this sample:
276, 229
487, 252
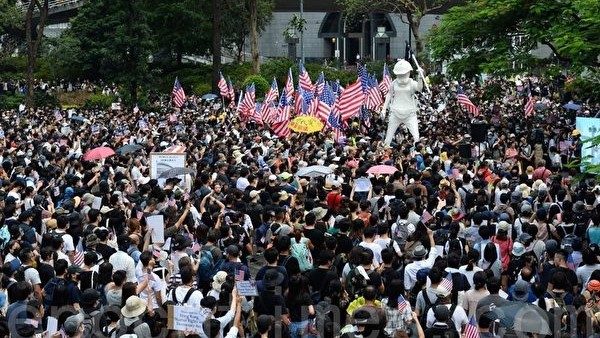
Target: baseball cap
72, 324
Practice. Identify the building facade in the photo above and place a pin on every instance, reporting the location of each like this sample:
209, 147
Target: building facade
330, 35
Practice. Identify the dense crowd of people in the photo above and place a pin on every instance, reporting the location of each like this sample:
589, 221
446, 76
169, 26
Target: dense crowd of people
476, 236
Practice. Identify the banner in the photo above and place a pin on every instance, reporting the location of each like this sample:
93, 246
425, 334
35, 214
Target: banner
589, 127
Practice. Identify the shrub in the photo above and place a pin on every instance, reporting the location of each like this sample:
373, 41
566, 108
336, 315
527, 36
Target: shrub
201, 88
99, 101
260, 84
8, 102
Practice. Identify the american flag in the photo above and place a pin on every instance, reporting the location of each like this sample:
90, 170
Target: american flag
283, 110
530, 105
336, 87
320, 85
238, 110
281, 129
273, 93
178, 94
471, 329
386, 81
447, 283
402, 304
335, 122
299, 101
231, 94
223, 88
466, 102
268, 112
248, 105
257, 113
374, 99
304, 79
309, 103
326, 102
365, 119
289, 84
363, 76
350, 101
239, 276
77, 258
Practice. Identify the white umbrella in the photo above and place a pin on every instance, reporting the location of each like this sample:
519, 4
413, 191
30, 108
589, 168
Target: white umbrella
314, 171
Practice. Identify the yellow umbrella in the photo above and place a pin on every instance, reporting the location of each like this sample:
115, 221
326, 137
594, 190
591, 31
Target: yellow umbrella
306, 124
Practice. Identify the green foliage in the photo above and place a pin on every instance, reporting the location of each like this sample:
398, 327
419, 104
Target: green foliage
113, 42
13, 67
260, 84
201, 88
179, 26
63, 57
42, 99
475, 36
99, 101
11, 101
277, 68
586, 87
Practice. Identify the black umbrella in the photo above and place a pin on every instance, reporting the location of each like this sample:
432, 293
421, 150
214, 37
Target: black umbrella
129, 148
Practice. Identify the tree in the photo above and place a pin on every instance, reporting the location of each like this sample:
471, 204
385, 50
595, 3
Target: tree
34, 41
254, 36
11, 20
478, 36
235, 32
414, 10
114, 42
217, 43
179, 26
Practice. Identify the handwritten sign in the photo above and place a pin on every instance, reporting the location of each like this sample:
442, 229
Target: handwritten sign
185, 318
246, 288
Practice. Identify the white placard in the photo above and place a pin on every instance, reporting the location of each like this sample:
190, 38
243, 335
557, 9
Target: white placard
157, 224
161, 162
51, 326
185, 318
115, 106
97, 203
247, 288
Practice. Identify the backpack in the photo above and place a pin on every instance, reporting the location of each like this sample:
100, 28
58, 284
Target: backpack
4, 237
56, 292
355, 283
339, 261
400, 235
130, 329
469, 201
187, 297
302, 254
20, 274
206, 266
429, 305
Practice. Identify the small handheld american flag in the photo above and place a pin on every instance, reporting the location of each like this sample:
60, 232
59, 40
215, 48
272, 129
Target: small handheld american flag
178, 95
402, 303
447, 283
239, 276
471, 330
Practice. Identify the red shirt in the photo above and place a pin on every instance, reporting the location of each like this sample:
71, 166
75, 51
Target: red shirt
334, 200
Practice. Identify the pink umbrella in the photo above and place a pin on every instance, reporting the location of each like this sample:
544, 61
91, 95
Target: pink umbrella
98, 154
382, 169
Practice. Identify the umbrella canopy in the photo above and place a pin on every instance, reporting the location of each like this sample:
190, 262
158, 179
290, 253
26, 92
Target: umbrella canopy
382, 170
314, 171
98, 154
572, 106
129, 148
523, 317
209, 97
174, 172
306, 124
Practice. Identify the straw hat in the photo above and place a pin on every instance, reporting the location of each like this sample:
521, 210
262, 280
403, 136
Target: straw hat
134, 307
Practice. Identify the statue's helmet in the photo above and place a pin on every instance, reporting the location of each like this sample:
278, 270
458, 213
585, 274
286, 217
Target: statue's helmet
402, 67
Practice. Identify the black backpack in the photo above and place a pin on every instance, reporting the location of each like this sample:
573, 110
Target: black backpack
57, 295
187, 297
430, 305
20, 274
129, 329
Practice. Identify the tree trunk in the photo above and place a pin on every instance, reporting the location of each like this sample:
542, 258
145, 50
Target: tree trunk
254, 36
33, 44
415, 22
216, 43
179, 58
133, 92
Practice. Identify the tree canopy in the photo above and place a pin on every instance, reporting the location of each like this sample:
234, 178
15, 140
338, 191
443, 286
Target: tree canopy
476, 36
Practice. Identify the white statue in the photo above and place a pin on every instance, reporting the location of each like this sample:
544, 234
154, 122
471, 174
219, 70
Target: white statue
401, 101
